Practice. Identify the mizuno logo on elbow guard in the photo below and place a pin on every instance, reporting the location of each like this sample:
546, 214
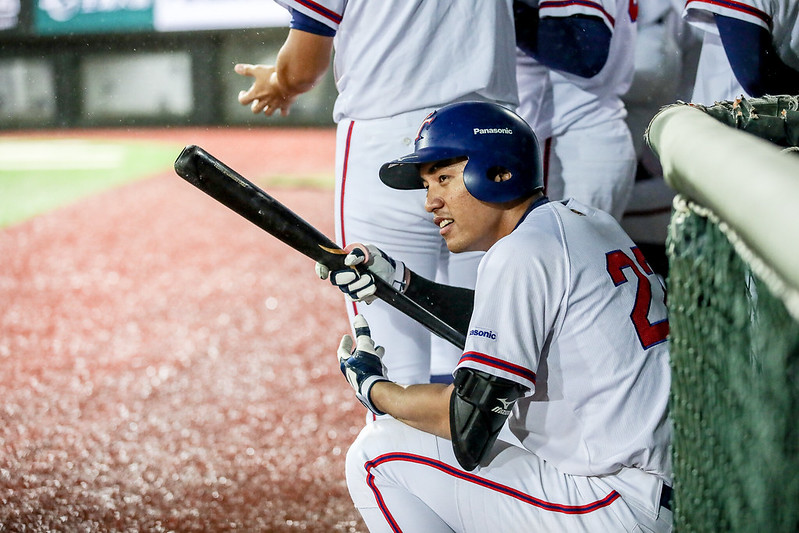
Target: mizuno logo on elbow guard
505, 409
483, 131
483, 333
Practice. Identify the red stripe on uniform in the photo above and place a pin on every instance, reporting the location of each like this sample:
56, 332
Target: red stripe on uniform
448, 469
322, 10
737, 6
547, 155
343, 186
499, 364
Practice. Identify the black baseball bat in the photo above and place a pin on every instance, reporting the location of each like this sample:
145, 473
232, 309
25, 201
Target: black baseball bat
231, 189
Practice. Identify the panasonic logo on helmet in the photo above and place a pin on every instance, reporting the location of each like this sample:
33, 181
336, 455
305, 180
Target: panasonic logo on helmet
484, 131
483, 333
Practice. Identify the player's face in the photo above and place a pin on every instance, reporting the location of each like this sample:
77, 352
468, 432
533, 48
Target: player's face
466, 223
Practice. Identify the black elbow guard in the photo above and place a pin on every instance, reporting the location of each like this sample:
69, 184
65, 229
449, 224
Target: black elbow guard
478, 407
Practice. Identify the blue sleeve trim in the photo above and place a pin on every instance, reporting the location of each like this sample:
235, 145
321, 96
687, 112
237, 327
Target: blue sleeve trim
753, 58
302, 22
578, 44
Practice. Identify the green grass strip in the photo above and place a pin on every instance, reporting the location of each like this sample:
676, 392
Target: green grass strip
38, 175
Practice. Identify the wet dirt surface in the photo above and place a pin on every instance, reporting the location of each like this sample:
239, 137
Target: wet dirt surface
168, 366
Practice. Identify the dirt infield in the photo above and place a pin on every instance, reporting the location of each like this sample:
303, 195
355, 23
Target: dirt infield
167, 366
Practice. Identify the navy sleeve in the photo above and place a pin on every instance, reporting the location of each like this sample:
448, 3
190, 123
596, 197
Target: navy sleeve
302, 22
754, 59
453, 305
578, 44
525, 19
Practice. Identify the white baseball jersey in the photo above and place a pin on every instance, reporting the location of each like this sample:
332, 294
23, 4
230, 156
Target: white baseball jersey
573, 99
779, 17
587, 148
395, 62
663, 74
715, 80
385, 49
567, 306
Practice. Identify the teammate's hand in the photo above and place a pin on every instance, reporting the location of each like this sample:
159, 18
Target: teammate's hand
363, 367
359, 285
266, 95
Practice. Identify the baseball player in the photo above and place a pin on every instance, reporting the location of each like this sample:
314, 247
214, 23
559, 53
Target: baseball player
567, 346
395, 61
666, 53
574, 63
759, 43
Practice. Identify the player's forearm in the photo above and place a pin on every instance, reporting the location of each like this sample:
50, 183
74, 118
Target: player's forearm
302, 61
425, 407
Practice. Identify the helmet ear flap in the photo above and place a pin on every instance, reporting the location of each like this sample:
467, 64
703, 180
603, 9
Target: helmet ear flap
488, 180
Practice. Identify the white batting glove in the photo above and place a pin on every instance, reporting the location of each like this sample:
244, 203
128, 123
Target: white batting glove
364, 366
359, 285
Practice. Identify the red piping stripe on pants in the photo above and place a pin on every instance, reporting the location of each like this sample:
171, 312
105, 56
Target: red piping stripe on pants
465, 476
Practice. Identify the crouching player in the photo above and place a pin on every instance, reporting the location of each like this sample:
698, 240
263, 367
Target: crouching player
566, 349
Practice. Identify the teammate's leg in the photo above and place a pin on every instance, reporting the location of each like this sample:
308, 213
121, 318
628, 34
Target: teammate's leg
367, 211
594, 165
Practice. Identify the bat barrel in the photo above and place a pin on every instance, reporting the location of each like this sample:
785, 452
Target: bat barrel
227, 186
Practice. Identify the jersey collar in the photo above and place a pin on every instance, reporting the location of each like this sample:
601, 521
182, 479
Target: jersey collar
541, 201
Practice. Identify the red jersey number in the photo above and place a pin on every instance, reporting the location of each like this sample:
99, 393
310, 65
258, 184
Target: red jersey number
648, 333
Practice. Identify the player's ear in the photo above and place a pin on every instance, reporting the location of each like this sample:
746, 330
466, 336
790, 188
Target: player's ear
499, 174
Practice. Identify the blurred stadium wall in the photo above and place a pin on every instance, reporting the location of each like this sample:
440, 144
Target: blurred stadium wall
86, 63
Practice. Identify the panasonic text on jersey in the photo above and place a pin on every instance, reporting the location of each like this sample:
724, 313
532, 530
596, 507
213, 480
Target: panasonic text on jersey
483, 333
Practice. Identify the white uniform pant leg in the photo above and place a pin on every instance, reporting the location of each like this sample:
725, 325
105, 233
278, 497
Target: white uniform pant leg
646, 219
536, 105
381, 472
594, 165
369, 212
402, 479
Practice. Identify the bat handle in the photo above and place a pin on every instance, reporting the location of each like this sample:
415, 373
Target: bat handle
414, 310
401, 303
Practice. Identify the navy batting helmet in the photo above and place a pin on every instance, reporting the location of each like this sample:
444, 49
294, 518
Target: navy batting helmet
494, 139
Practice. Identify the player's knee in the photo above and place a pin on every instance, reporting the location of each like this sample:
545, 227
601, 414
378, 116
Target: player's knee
356, 459
385, 437
378, 438
360, 453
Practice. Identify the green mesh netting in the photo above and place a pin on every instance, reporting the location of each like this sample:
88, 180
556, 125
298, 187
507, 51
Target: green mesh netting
735, 390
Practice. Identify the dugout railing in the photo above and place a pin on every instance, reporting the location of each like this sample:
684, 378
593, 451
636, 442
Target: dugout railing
733, 248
